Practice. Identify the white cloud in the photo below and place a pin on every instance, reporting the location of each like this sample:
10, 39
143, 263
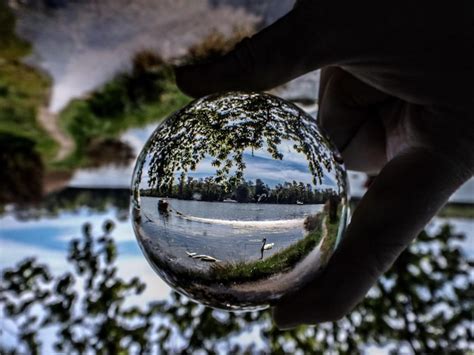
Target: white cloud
108, 176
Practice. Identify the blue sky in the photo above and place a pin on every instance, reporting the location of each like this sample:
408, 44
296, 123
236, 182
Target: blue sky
261, 165
269, 170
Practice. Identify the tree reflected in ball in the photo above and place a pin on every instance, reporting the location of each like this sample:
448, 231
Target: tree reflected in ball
238, 199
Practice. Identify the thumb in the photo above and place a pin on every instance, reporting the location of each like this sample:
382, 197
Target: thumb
306, 39
403, 198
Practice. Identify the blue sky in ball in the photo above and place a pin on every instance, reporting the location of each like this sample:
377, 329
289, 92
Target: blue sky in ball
261, 165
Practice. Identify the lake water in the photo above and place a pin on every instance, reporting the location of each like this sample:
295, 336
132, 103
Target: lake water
239, 211
226, 231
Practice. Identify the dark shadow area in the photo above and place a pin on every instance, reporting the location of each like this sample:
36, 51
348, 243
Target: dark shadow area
21, 171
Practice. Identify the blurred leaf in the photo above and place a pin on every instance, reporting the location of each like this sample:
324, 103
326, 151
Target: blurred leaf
429, 312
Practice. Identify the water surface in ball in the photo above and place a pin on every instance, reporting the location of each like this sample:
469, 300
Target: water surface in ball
238, 199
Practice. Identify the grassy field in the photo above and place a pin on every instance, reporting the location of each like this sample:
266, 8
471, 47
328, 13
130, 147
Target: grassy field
280, 262
285, 259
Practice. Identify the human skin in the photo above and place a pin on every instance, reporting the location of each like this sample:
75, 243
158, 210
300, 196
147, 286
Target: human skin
396, 97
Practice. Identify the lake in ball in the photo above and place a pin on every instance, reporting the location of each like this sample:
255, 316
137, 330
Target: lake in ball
238, 199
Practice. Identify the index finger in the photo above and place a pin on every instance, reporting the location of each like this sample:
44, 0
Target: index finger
314, 34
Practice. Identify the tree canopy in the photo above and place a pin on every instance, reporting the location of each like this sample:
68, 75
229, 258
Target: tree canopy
221, 128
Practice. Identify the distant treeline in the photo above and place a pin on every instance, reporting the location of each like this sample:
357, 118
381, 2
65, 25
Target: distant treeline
76, 199
206, 189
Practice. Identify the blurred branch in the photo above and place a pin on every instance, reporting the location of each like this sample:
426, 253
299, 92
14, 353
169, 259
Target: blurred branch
425, 301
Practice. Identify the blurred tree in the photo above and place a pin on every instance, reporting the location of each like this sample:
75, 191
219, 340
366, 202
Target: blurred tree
18, 163
148, 79
70, 199
23, 90
423, 304
11, 46
109, 152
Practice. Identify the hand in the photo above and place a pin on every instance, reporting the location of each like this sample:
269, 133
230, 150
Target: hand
397, 98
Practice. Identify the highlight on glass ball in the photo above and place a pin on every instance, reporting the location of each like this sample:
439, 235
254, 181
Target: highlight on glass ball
238, 199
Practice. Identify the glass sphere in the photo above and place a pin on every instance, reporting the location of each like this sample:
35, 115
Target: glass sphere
238, 199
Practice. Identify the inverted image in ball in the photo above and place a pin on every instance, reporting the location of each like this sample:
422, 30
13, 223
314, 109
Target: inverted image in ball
237, 199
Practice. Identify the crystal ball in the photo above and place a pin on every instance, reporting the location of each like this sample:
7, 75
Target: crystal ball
238, 199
